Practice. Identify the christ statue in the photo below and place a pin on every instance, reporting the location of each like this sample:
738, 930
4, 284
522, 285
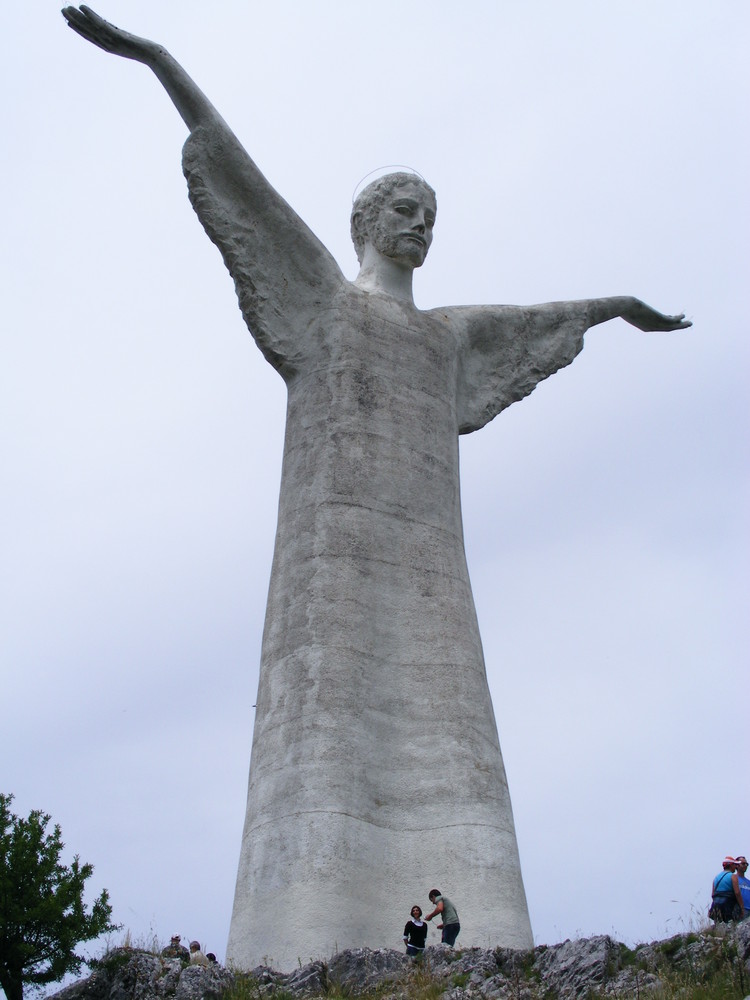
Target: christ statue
371, 650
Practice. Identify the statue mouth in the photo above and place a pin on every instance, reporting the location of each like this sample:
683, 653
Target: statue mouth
417, 239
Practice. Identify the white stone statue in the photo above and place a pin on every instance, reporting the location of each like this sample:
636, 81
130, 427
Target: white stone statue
371, 650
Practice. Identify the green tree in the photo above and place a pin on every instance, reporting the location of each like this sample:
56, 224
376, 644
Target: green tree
42, 914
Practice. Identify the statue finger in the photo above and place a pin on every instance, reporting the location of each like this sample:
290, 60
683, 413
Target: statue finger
93, 15
74, 17
97, 23
79, 22
677, 322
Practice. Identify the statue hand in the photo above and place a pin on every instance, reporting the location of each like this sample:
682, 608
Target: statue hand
89, 25
645, 318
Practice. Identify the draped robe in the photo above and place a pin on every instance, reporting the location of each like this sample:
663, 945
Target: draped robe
376, 771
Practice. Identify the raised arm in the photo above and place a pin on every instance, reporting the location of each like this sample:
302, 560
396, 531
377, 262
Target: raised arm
282, 273
192, 104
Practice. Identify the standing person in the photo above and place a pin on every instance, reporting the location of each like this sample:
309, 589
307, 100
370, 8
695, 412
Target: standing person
744, 884
450, 925
415, 933
725, 893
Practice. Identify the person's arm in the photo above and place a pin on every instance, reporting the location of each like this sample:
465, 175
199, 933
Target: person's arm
738, 893
505, 351
438, 909
192, 104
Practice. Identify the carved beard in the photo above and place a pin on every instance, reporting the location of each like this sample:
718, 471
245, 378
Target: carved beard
398, 246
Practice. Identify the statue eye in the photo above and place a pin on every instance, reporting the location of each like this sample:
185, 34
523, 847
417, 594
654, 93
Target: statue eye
403, 210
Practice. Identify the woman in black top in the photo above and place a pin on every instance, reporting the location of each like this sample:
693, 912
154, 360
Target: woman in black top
415, 933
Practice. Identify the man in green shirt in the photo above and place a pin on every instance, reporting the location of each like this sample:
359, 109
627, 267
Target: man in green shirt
443, 906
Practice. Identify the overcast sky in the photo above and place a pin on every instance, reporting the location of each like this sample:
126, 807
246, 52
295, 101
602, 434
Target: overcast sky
578, 149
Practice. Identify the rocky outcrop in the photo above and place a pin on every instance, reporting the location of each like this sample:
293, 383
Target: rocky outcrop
131, 974
589, 967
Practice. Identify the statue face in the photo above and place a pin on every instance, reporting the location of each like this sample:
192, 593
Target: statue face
403, 227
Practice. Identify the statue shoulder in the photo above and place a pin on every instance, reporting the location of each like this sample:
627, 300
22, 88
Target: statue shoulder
281, 270
504, 352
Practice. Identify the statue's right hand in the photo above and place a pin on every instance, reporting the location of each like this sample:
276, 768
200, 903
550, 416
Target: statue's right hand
107, 36
644, 317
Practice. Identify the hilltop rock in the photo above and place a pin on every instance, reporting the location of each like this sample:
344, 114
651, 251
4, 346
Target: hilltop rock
131, 974
589, 967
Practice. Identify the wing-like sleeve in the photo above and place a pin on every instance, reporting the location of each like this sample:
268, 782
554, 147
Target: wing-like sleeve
505, 351
282, 273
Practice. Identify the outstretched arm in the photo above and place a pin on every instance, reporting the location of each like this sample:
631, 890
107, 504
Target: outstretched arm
633, 311
505, 351
192, 104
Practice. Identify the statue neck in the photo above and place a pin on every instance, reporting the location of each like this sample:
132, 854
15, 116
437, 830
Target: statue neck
382, 274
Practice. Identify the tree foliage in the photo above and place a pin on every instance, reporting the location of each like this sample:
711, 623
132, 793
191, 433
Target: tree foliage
42, 913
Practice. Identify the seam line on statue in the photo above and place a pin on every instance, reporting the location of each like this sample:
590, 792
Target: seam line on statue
369, 822
374, 560
398, 514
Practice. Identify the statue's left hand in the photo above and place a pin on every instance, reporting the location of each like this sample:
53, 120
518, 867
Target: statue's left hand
645, 318
107, 36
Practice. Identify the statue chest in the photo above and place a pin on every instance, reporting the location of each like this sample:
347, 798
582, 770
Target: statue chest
372, 415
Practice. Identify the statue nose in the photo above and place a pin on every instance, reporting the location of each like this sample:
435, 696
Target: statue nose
419, 228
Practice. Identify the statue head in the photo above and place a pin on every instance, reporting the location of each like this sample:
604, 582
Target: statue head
395, 214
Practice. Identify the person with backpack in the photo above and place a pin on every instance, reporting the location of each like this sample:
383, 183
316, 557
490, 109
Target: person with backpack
726, 898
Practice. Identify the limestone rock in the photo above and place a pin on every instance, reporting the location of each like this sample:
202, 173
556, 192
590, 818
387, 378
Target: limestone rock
574, 965
364, 969
130, 974
597, 967
199, 982
309, 980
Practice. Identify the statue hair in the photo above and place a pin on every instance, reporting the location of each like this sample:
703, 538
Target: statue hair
369, 200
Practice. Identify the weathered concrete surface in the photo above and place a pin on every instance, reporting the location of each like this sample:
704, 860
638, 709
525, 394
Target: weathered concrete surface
376, 771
